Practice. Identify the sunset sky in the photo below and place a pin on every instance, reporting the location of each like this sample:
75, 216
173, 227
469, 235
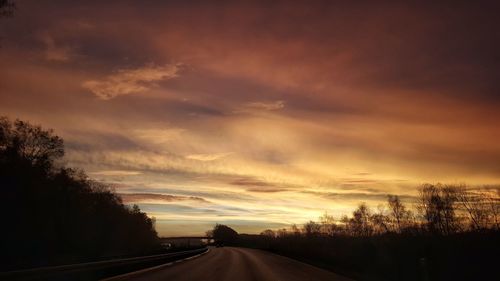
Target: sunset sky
260, 114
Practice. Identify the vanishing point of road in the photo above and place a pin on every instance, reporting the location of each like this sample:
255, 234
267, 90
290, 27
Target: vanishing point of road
236, 264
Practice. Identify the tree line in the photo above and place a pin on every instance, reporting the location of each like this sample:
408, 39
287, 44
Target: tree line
439, 210
450, 232
52, 214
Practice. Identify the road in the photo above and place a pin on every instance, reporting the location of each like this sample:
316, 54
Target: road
236, 264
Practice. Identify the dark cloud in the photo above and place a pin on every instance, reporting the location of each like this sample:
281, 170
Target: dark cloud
201, 192
251, 182
141, 197
266, 189
360, 196
177, 209
255, 185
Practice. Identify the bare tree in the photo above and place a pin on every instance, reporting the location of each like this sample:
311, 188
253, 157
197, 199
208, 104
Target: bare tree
269, 233
344, 220
359, 224
449, 200
400, 216
38, 146
380, 221
295, 230
282, 233
493, 203
328, 226
312, 228
437, 208
474, 204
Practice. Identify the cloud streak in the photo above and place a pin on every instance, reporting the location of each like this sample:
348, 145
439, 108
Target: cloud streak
130, 198
131, 81
276, 105
116, 173
208, 156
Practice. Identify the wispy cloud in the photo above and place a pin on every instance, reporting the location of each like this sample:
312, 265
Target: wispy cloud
208, 156
131, 81
360, 196
56, 52
275, 105
259, 186
150, 197
159, 136
261, 189
250, 182
116, 173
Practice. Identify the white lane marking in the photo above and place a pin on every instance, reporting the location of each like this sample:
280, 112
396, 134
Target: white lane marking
158, 267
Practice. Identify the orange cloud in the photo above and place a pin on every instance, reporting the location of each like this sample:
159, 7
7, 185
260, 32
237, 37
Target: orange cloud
267, 105
131, 81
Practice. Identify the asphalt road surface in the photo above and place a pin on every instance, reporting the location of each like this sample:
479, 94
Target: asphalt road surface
237, 264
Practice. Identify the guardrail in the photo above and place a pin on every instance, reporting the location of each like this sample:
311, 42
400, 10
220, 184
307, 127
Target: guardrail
96, 270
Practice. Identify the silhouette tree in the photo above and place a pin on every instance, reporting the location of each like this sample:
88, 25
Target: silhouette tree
51, 214
473, 204
40, 147
344, 220
294, 230
400, 216
380, 221
493, 203
328, 226
359, 224
437, 207
224, 234
311, 229
390, 244
268, 233
7, 8
282, 232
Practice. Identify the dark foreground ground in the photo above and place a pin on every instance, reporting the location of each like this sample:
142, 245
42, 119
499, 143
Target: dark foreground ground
242, 264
